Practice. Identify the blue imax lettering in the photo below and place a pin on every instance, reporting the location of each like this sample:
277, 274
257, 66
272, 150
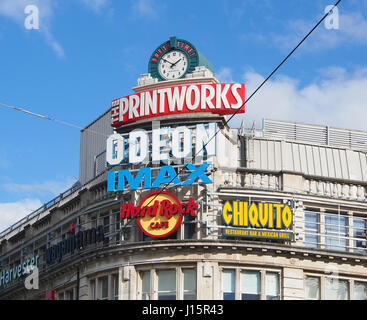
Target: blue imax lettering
165, 145
166, 175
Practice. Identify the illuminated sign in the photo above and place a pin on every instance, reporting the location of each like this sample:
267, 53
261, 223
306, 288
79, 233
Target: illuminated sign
167, 144
137, 146
159, 214
222, 99
7, 276
263, 220
166, 175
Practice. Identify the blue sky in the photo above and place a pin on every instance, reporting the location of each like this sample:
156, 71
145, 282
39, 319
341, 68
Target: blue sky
88, 52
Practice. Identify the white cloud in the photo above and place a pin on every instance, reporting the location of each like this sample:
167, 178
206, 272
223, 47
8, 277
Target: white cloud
12, 212
95, 5
337, 98
145, 8
14, 9
225, 75
52, 188
352, 30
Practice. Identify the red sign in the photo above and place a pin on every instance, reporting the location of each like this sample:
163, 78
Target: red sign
159, 213
222, 99
50, 295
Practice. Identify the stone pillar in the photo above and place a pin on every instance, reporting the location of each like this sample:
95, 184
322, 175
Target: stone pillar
293, 288
84, 289
128, 279
207, 281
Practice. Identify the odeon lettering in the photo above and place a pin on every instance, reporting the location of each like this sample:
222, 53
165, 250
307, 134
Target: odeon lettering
159, 213
165, 144
74, 242
262, 220
222, 99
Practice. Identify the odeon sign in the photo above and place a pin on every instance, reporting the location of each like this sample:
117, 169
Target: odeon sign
159, 214
136, 148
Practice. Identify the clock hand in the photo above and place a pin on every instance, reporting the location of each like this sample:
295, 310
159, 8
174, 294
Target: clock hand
167, 61
173, 64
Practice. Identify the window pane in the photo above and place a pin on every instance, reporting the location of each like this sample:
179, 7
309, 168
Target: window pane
359, 232
272, 286
250, 285
167, 285
228, 285
336, 289
336, 231
104, 288
360, 290
116, 286
145, 283
311, 229
189, 284
312, 287
93, 289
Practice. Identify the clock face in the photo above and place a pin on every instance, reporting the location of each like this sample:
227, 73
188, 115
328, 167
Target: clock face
173, 65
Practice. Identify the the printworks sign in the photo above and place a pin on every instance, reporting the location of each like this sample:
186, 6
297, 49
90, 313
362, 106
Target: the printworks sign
160, 213
222, 99
261, 221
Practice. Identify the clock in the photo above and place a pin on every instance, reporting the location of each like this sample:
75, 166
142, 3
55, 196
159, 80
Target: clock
174, 59
173, 65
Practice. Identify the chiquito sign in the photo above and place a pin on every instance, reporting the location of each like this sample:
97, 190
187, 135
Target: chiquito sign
222, 99
159, 214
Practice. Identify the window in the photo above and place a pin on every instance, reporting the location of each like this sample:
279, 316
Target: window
166, 284
145, 280
103, 285
250, 285
272, 286
93, 289
359, 232
311, 229
61, 296
115, 282
336, 289
360, 290
228, 284
312, 288
189, 227
189, 276
117, 226
69, 294
335, 232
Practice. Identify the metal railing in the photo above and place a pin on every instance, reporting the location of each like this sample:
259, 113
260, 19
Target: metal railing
39, 210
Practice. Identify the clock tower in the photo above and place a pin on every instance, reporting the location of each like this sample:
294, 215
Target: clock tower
174, 59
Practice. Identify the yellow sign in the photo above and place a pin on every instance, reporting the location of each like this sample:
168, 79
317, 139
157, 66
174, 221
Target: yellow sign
255, 218
262, 215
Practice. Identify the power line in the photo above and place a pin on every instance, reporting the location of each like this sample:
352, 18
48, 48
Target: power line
216, 133
250, 97
51, 119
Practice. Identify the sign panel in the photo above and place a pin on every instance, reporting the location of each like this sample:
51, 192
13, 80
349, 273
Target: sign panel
165, 145
159, 214
262, 220
222, 99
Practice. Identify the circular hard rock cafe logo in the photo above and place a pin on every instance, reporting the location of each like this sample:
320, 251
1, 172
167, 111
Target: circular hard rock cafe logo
159, 214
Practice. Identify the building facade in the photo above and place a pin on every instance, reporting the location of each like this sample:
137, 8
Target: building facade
277, 213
